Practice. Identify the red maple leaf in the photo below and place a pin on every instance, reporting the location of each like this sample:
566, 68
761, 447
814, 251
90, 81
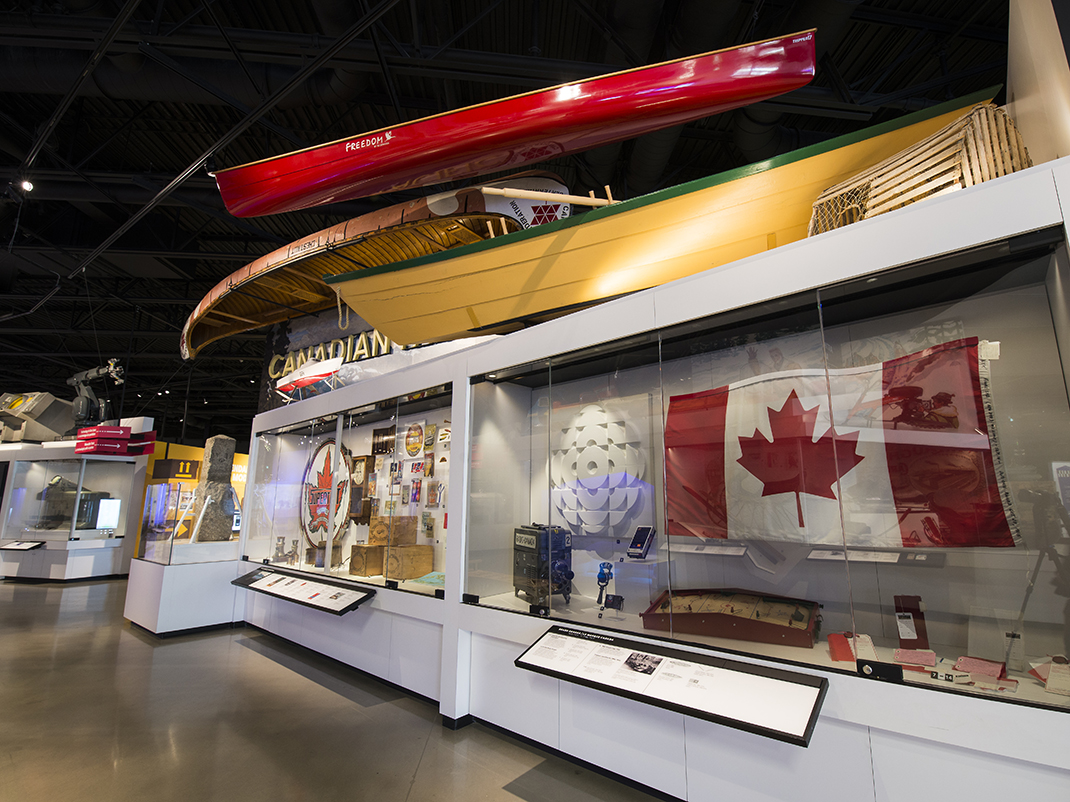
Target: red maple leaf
792, 462
324, 477
319, 493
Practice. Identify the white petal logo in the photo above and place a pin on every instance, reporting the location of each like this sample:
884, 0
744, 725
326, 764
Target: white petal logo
597, 473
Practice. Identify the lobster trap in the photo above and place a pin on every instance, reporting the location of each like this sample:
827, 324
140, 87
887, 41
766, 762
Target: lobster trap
979, 146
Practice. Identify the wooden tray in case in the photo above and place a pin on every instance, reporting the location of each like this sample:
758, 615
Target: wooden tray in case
736, 614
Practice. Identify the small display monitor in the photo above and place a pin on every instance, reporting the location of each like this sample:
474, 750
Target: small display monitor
108, 513
641, 540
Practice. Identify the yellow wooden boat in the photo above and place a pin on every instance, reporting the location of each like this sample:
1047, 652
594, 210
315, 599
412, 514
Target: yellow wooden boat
512, 281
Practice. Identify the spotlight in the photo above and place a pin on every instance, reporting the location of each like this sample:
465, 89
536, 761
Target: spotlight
26, 186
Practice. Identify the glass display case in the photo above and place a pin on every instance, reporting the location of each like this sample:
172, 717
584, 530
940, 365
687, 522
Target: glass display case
359, 494
876, 471
169, 526
68, 499
187, 517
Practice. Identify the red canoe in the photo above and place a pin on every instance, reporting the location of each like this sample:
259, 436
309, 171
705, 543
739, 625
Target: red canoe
518, 130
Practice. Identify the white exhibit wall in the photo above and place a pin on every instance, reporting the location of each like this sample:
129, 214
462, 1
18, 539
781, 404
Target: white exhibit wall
172, 598
603, 729
64, 560
903, 764
520, 701
1038, 80
396, 637
865, 725
873, 741
456, 657
729, 764
144, 594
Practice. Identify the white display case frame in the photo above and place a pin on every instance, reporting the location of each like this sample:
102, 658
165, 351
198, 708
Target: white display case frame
69, 559
397, 635
190, 590
873, 741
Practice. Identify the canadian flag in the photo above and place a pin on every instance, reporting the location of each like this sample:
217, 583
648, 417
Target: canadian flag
906, 459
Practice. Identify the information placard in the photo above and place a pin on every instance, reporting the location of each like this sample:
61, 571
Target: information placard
766, 701
919, 558
22, 545
854, 556
330, 596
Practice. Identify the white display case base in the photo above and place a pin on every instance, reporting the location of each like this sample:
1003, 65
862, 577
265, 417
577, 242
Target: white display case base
66, 560
166, 599
395, 636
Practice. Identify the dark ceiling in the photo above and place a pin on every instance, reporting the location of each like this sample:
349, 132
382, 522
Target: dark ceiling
172, 79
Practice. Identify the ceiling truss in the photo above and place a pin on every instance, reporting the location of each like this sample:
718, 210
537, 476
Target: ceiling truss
116, 111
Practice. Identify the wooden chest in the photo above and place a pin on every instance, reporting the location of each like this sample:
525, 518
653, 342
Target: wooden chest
366, 560
397, 530
409, 562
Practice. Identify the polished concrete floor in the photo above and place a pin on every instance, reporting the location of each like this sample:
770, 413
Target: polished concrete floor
92, 708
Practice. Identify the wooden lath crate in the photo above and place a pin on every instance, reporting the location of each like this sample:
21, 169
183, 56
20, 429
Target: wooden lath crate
981, 145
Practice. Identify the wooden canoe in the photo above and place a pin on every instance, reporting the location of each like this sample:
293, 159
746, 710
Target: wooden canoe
288, 283
522, 129
530, 276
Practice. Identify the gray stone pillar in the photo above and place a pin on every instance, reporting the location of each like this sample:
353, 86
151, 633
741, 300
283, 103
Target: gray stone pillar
218, 521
